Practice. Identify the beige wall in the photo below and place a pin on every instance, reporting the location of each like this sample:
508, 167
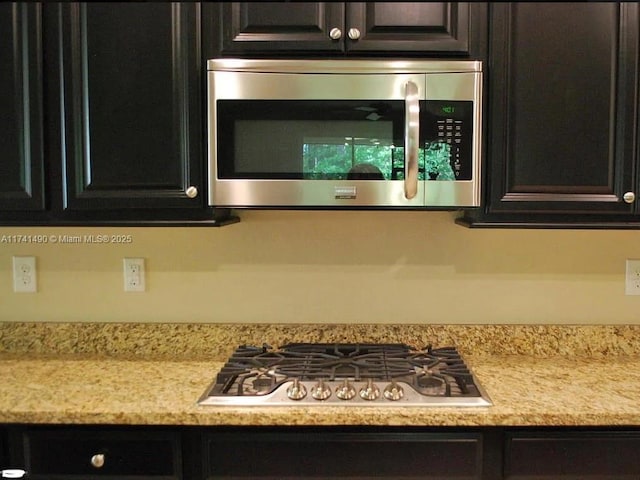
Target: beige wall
330, 267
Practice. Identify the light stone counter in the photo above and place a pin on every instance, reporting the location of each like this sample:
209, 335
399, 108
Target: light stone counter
525, 391
218, 340
539, 375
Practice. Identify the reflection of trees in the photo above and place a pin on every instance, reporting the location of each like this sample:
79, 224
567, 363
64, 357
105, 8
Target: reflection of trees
333, 161
439, 161
324, 161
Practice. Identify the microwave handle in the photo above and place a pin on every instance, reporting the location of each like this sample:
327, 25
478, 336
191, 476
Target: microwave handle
411, 139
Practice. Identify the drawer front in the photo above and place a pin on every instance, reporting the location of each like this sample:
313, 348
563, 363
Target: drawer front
288, 456
572, 456
95, 453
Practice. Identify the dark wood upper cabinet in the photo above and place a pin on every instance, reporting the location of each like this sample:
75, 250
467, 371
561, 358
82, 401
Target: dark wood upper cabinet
130, 95
561, 113
255, 27
276, 28
21, 143
104, 107
103, 114
416, 27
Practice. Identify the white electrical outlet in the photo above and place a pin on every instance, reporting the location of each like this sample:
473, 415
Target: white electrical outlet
632, 277
134, 275
24, 274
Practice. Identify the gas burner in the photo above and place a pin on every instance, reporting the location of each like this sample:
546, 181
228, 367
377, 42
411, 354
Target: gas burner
345, 374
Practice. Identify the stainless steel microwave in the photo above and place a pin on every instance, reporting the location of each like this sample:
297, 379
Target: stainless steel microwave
344, 133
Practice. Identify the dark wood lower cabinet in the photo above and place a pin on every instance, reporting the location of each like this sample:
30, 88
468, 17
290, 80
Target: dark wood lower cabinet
4, 456
327, 453
354, 454
97, 452
571, 455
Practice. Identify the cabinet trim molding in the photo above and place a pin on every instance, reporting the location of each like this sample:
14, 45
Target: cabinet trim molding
28, 192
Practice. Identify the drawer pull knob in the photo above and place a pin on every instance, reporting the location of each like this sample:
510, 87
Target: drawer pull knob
335, 34
98, 460
629, 197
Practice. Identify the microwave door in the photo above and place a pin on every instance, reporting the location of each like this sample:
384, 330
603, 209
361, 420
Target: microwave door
317, 140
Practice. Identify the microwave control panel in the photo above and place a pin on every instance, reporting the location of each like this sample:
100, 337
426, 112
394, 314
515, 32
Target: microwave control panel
447, 129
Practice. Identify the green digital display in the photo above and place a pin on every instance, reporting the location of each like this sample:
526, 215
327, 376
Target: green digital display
448, 109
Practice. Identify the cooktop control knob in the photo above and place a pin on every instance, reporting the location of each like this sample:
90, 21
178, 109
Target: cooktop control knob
370, 391
393, 391
345, 391
296, 390
321, 390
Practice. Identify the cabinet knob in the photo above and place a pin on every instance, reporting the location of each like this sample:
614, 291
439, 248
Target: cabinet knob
629, 197
192, 192
97, 460
354, 33
335, 34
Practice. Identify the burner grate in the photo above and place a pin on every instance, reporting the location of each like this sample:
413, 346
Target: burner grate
261, 371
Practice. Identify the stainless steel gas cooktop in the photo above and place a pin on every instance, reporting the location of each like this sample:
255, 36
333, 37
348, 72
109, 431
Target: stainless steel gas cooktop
359, 374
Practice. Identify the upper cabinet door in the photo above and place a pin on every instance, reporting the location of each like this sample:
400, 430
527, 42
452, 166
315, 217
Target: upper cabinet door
130, 93
563, 105
250, 27
21, 150
276, 28
408, 26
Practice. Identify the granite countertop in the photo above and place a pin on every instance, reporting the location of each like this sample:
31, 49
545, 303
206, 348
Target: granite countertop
71, 387
524, 390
